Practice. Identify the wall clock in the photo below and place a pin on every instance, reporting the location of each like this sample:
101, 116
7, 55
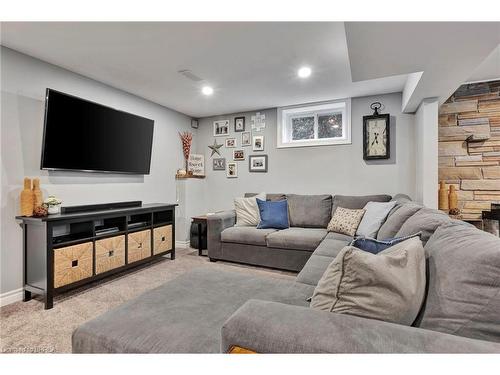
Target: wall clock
376, 135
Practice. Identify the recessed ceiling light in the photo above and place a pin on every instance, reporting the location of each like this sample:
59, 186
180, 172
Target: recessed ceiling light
304, 72
207, 90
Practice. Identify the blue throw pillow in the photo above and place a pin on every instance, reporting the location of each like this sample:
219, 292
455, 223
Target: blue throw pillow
273, 214
374, 246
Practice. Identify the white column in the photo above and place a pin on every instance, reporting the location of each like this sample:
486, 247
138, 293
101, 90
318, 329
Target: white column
426, 155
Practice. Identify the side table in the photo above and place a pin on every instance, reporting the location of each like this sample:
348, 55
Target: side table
200, 220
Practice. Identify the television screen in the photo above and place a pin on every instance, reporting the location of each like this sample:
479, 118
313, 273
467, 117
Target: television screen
86, 136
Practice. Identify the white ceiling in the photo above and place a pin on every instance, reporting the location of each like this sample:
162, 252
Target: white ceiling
250, 65
254, 65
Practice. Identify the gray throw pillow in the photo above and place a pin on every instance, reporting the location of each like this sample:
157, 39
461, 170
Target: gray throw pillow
309, 211
396, 219
387, 286
375, 214
464, 282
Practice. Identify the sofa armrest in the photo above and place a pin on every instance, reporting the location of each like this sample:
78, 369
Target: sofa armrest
216, 223
271, 327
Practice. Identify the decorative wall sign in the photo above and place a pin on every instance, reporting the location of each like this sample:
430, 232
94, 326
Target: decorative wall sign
258, 122
376, 135
246, 139
232, 170
196, 164
219, 164
239, 124
215, 148
230, 142
221, 128
257, 163
238, 155
258, 143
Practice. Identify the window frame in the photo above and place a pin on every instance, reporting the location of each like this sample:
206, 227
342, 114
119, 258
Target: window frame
284, 130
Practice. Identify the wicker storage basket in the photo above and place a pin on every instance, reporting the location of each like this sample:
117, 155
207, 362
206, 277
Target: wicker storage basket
109, 254
72, 263
162, 238
139, 245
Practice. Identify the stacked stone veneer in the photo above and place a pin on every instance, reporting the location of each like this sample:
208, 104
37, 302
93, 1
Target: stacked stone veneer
469, 146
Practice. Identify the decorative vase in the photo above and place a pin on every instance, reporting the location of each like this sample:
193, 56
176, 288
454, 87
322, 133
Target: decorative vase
453, 198
54, 209
37, 193
443, 197
27, 199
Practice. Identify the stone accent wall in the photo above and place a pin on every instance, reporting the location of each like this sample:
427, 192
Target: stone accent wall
469, 146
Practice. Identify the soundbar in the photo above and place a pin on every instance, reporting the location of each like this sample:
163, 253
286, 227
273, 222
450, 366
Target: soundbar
100, 207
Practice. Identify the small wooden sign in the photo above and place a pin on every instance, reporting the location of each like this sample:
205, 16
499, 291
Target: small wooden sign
196, 164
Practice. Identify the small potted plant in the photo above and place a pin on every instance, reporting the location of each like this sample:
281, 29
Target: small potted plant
53, 205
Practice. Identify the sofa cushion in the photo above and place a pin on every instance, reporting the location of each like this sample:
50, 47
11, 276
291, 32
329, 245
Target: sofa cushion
357, 201
396, 219
269, 197
464, 282
309, 211
184, 315
374, 217
296, 238
426, 221
319, 260
339, 236
246, 235
388, 286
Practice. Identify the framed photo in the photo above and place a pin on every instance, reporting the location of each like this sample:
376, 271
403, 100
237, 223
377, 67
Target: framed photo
219, 164
376, 137
194, 123
221, 128
230, 142
232, 170
239, 124
257, 163
246, 139
238, 155
258, 143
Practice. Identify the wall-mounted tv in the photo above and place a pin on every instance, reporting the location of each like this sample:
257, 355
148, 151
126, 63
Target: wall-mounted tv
81, 135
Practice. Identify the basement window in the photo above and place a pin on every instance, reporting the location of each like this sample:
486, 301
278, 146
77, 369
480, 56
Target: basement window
315, 124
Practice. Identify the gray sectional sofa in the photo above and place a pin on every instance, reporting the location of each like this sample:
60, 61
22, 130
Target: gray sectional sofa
287, 249
210, 311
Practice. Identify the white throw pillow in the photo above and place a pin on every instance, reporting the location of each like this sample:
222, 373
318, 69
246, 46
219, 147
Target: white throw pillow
374, 217
247, 211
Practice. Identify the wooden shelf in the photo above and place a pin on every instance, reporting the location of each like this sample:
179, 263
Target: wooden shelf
185, 177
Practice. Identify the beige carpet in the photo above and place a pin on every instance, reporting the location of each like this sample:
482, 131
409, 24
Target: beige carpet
25, 327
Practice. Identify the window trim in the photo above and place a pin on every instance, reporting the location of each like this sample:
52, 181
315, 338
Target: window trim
314, 109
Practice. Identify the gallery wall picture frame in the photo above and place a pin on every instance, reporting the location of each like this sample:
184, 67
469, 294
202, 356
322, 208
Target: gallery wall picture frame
246, 139
258, 143
238, 155
219, 164
239, 124
258, 163
232, 170
221, 128
194, 123
230, 142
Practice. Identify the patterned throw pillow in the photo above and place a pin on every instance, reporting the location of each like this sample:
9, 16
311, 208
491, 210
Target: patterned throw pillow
345, 221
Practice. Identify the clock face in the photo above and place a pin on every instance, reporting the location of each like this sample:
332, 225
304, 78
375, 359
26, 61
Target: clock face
376, 137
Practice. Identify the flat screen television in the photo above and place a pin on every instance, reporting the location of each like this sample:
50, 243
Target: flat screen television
81, 135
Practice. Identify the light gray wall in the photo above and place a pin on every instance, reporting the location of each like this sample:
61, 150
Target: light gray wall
24, 80
336, 169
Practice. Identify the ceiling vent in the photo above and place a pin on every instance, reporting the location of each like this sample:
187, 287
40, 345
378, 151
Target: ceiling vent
190, 75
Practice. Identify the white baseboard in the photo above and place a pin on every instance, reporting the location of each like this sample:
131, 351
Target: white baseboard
11, 297
182, 244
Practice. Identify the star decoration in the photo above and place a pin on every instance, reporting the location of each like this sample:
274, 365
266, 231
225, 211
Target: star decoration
215, 148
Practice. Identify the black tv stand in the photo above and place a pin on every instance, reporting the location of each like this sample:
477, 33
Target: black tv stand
87, 243
100, 207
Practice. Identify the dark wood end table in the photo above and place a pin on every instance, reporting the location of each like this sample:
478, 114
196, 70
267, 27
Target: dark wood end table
199, 220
